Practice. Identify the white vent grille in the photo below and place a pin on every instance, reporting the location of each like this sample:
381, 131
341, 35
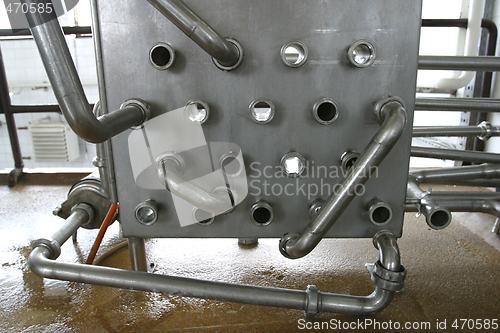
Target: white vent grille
54, 142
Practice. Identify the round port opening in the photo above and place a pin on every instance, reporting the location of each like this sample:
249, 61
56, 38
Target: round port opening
294, 54
379, 213
440, 219
162, 56
361, 54
197, 111
262, 111
293, 164
261, 213
325, 111
230, 165
203, 217
146, 212
348, 159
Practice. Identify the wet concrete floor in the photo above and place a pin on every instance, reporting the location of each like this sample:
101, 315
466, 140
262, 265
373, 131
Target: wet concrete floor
453, 274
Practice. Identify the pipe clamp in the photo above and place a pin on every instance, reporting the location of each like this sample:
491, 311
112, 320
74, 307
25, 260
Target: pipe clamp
386, 279
312, 301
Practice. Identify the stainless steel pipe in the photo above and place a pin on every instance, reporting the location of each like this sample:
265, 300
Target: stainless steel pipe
455, 155
460, 63
225, 52
388, 276
175, 182
484, 131
66, 84
491, 207
440, 175
437, 217
458, 104
393, 116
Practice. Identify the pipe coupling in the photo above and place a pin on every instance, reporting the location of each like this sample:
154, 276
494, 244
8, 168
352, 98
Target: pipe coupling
141, 105
381, 107
386, 279
312, 302
487, 131
50, 244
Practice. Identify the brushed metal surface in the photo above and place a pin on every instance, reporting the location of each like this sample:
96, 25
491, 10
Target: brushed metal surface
328, 28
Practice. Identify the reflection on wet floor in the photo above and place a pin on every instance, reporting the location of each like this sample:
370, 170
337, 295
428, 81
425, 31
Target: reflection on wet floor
451, 274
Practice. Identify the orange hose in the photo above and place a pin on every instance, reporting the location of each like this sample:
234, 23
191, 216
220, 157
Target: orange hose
105, 224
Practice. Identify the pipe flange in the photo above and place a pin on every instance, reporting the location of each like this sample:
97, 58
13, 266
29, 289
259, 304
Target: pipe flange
312, 302
143, 106
379, 106
239, 48
487, 129
50, 244
284, 240
386, 279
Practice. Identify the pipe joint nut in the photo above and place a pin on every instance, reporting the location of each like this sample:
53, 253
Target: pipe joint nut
312, 302
382, 107
239, 49
88, 209
284, 241
50, 244
487, 131
386, 279
141, 105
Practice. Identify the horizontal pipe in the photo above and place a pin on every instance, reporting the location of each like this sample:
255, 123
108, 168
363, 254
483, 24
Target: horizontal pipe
445, 23
393, 115
198, 30
455, 155
437, 217
460, 63
437, 131
42, 262
491, 207
458, 104
68, 88
83, 30
486, 171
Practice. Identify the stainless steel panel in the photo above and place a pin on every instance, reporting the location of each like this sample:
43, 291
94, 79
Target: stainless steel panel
328, 28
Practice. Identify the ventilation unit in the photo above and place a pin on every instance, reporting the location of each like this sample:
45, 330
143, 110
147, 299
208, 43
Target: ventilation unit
54, 142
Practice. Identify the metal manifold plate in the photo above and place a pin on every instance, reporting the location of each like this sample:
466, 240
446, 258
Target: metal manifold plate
328, 28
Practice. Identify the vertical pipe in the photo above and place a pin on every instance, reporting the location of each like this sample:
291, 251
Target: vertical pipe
5, 108
137, 254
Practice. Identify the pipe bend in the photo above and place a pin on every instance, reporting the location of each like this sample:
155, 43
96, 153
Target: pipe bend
67, 86
387, 245
227, 54
39, 262
391, 112
376, 302
216, 202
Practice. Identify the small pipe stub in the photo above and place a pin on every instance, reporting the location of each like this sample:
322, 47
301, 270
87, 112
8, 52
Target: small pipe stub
147, 212
261, 213
294, 54
379, 212
162, 56
361, 54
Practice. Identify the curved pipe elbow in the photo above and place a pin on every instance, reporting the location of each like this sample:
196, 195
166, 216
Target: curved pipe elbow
39, 263
199, 31
215, 202
392, 113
